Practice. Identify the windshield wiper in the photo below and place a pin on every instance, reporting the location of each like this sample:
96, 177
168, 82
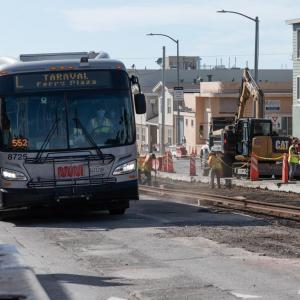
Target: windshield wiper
88, 136
47, 139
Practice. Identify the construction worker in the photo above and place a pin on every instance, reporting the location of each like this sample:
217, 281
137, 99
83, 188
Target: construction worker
147, 167
215, 165
293, 159
100, 127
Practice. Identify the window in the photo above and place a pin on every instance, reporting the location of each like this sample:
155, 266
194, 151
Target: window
298, 88
170, 136
192, 123
298, 44
138, 133
143, 135
285, 127
169, 106
186, 122
201, 131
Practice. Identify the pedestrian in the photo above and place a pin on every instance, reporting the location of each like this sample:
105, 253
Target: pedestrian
215, 165
293, 159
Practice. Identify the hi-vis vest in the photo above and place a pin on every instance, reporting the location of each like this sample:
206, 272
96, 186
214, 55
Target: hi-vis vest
104, 126
147, 164
214, 162
293, 155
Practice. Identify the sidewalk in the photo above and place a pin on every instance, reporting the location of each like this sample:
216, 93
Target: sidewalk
17, 280
181, 168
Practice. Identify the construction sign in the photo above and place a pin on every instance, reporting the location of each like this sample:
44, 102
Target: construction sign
276, 121
178, 94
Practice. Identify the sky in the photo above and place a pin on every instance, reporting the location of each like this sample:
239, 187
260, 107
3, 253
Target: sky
119, 28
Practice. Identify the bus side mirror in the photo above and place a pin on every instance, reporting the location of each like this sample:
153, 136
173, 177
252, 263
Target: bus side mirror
140, 103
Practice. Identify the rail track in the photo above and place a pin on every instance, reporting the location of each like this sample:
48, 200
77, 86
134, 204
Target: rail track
239, 203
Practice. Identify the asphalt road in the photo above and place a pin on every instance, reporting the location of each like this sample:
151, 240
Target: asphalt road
97, 256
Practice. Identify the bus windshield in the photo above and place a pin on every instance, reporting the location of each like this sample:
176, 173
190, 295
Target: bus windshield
68, 120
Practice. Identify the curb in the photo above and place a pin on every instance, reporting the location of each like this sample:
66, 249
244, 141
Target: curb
17, 280
271, 185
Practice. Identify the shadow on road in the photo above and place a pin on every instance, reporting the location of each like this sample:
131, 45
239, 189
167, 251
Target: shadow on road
142, 214
53, 283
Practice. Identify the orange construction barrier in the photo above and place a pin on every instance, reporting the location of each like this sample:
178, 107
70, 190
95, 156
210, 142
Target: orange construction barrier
254, 172
161, 162
192, 165
285, 169
168, 163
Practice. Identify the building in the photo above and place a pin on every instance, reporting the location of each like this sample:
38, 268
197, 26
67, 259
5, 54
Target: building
185, 62
296, 75
220, 99
207, 94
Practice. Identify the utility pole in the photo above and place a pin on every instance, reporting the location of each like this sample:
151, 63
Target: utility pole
178, 79
162, 105
258, 108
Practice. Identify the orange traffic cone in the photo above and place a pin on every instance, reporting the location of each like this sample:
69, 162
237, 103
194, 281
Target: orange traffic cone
285, 169
192, 166
254, 172
170, 167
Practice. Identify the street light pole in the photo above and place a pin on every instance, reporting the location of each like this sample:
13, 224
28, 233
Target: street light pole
178, 79
256, 49
259, 110
178, 110
163, 98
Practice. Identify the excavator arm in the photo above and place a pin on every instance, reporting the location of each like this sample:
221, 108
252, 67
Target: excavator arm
249, 89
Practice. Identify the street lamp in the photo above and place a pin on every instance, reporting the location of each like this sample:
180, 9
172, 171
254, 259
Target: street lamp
178, 112
256, 20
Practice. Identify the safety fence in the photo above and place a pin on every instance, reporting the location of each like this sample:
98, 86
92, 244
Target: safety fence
194, 166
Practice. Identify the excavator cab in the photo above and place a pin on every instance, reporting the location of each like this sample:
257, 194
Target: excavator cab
261, 127
248, 130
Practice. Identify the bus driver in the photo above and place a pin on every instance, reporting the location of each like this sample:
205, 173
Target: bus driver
100, 126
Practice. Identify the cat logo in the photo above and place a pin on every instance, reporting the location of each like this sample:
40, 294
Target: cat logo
281, 145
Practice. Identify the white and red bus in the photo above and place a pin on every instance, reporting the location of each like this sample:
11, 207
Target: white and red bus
68, 132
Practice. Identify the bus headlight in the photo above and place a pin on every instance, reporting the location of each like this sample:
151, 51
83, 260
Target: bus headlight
12, 175
125, 168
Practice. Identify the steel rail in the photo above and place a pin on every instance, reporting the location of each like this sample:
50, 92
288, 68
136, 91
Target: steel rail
272, 209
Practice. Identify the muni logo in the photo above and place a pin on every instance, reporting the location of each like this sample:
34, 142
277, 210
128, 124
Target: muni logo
70, 171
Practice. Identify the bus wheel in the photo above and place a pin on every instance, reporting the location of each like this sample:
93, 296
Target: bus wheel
117, 211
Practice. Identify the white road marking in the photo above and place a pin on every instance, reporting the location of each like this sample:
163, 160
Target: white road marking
298, 292
115, 298
243, 296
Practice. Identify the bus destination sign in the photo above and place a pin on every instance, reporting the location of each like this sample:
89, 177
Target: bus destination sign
62, 80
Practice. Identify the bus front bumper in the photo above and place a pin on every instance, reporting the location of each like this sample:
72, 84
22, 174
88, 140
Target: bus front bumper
101, 196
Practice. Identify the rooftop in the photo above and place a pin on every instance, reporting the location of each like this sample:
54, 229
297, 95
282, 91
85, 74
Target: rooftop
293, 21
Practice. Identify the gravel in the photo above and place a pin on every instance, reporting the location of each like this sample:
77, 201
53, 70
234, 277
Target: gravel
279, 238
274, 241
